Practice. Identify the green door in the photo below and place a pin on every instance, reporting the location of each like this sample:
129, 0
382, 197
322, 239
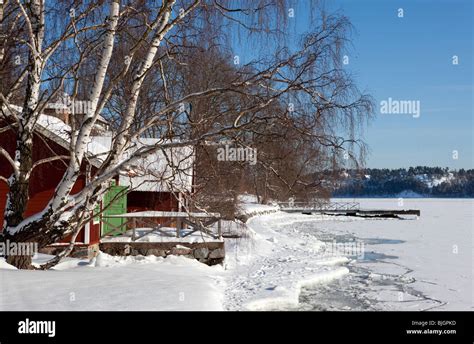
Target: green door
115, 202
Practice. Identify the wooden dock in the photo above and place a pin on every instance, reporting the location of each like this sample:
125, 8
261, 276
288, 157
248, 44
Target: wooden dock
343, 209
193, 235
196, 221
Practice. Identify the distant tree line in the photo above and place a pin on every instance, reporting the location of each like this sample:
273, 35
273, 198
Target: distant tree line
422, 180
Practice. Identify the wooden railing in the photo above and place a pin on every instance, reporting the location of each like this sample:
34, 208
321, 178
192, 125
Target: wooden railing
194, 222
320, 206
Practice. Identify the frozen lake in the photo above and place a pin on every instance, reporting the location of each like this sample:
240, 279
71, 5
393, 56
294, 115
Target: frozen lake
410, 264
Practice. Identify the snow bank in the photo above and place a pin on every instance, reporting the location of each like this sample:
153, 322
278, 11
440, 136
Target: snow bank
4, 265
252, 209
113, 284
249, 207
286, 297
267, 270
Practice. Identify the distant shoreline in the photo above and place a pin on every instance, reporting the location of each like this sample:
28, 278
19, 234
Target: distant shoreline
406, 197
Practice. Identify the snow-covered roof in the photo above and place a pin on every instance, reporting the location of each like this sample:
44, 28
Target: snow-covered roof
50, 127
164, 170
55, 126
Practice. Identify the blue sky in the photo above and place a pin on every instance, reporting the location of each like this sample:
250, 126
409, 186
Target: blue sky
410, 58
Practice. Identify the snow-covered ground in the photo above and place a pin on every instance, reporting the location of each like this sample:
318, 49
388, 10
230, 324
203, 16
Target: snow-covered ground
250, 207
408, 264
113, 283
267, 270
286, 261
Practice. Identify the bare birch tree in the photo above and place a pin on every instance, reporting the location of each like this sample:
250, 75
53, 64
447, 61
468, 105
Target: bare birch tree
131, 63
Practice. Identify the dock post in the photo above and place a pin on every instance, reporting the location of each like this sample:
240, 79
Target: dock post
134, 226
178, 227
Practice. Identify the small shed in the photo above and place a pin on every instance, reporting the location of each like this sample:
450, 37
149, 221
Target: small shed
50, 139
158, 182
150, 185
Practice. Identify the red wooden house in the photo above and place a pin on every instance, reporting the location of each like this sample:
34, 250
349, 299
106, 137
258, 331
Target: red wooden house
51, 139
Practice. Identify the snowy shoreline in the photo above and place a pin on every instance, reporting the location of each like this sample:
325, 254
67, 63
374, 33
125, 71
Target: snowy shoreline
268, 270
178, 283
408, 265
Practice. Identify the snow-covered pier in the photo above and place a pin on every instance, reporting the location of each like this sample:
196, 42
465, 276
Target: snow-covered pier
342, 208
195, 221
194, 235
